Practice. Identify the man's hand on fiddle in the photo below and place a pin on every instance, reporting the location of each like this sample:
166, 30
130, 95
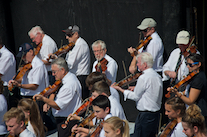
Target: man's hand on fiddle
117, 87
38, 97
15, 83
52, 56
131, 88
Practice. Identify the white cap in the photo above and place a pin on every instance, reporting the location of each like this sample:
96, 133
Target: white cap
147, 23
183, 37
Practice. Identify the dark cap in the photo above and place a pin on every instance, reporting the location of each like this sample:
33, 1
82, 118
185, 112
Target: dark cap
71, 29
23, 49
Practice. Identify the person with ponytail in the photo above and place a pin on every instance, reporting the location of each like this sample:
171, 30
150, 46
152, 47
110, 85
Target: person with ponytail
194, 122
116, 127
175, 109
32, 115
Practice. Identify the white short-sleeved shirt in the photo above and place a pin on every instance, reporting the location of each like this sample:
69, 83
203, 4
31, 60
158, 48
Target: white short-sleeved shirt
116, 108
48, 46
112, 68
3, 110
147, 92
156, 49
27, 133
102, 130
37, 75
178, 131
8, 65
115, 93
78, 58
68, 97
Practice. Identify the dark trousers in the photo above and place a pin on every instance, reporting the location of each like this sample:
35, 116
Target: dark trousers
85, 91
146, 124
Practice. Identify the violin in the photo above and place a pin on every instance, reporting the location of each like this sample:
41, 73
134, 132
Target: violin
170, 126
143, 43
191, 75
51, 89
63, 50
86, 103
84, 122
101, 65
24, 69
129, 79
190, 49
97, 130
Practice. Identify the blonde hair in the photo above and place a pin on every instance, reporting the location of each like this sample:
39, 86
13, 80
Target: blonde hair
193, 117
118, 123
14, 113
28, 105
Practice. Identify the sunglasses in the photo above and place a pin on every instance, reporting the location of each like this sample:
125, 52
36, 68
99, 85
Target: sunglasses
69, 35
191, 64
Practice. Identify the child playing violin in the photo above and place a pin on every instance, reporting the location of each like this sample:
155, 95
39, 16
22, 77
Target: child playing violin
174, 109
101, 108
116, 127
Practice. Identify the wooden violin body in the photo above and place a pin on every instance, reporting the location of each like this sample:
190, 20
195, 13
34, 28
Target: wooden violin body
191, 75
143, 43
63, 50
80, 110
190, 49
51, 89
128, 80
24, 69
170, 126
84, 122
101, 66
97, 130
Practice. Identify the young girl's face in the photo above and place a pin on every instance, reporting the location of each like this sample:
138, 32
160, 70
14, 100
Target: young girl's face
100, 113
187, 130
170, 112
109, 132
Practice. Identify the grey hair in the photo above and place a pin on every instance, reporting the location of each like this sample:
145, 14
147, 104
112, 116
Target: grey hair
99, 42
35, 30
61, 63
146, 58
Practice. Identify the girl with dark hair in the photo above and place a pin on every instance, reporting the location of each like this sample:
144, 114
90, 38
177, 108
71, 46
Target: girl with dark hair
196, 89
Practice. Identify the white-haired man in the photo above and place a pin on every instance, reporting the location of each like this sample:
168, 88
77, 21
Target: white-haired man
38, 36
148, 96
99, 50
154, 47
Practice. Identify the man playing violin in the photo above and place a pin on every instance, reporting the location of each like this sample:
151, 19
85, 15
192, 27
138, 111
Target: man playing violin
148, 96
99, 50
175, 67
154, 47
67, 99
38, 36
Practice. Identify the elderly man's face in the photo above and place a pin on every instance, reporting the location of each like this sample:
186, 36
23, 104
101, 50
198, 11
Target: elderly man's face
99, 52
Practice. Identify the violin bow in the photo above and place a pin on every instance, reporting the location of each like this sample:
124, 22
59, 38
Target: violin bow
125, 70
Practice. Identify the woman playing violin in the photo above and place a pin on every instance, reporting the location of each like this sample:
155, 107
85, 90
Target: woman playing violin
175, 109
196, 89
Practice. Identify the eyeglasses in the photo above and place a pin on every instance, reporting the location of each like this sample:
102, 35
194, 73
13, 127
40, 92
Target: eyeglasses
145, 30
55, 71
99, 51
191, 64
